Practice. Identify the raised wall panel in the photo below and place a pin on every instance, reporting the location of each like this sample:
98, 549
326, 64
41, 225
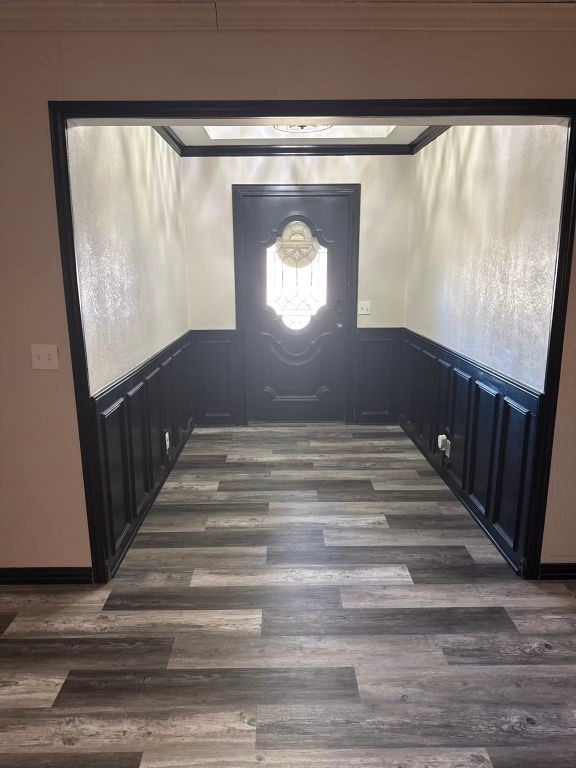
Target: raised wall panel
376, 376
460, 408
512, 465
218, 380
116, 477
482, 445
443, 399
138, 446
154, 406
427, 390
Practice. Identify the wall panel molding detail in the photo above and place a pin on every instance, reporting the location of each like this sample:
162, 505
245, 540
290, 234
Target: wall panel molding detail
134, 416
376, 375
490, 421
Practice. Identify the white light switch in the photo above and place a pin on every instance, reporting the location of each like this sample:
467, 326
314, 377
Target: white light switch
364, 307
44, 356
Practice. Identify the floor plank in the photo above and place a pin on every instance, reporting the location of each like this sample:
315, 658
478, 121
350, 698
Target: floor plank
393, 621
205, 688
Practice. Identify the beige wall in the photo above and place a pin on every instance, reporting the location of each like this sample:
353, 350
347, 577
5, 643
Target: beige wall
130, 246
484, 236
42, 509
384, 222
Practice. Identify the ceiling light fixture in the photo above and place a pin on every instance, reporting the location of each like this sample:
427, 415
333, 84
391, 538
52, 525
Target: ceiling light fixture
301, 128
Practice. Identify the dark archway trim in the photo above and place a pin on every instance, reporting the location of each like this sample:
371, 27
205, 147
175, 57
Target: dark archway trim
62, 112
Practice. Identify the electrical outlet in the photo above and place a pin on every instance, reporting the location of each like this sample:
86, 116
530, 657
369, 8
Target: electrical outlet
44, 356
167, 440
364, 307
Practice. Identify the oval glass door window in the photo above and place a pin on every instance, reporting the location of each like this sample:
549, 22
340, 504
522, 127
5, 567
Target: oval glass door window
296, 275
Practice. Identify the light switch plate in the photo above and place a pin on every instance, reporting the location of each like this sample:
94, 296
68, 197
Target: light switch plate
364, 307
44, 356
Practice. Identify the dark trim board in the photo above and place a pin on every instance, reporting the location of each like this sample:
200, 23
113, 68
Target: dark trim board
295, 150
62, 111
46, 576
560, 571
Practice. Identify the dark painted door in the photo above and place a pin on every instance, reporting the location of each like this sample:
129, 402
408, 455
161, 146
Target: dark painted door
296, 265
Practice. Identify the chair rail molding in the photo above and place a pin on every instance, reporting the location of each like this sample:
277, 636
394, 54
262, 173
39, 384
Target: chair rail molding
230, 15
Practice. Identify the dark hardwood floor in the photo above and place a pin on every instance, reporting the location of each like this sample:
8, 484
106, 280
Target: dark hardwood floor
299, 597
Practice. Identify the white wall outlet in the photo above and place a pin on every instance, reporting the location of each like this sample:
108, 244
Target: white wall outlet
44, 356
167, 440
442, 442
364, 307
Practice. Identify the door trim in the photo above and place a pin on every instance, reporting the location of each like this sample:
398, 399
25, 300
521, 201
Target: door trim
240, 192
60, 112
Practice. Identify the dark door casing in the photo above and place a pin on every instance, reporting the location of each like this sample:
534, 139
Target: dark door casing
297, 373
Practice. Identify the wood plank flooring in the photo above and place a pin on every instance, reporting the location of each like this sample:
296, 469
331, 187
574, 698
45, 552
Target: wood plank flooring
307, 596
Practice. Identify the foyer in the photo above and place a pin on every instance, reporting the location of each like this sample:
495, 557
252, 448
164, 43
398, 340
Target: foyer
299, 596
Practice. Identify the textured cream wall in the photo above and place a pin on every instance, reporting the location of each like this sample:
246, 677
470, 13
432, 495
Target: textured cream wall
42, 508
384, 221
486, 212
130, 246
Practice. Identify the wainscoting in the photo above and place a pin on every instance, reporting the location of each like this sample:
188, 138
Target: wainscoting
491, 424
142, 421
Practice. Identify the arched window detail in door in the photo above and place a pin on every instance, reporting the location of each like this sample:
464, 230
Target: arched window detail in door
297, 275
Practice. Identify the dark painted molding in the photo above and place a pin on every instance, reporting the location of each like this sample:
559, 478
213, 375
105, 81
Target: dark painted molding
171, 138
307, 150
218, 380
46, 576
376, 375
491, 423
560, 571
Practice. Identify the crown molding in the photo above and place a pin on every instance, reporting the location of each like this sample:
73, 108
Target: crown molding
230, 15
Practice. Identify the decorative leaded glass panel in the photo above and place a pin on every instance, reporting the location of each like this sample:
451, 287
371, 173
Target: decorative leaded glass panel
297, 275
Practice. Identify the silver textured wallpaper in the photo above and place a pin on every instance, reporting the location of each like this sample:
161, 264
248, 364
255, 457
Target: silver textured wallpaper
130, 246
484, 236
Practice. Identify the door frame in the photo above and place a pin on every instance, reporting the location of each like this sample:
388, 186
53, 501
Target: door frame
240, 192
60, 112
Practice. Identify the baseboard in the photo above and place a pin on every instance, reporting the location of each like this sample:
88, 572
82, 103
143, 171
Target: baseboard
46, 576
562, 571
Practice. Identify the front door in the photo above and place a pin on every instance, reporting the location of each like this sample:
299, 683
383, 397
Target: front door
296, 256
